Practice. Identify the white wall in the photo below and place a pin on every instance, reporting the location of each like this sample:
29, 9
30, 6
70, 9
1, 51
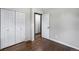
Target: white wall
64, 26
27, 12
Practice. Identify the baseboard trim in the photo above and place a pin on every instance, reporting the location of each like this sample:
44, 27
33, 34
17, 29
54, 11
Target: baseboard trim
64, 44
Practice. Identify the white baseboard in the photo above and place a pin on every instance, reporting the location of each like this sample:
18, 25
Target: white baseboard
64, 43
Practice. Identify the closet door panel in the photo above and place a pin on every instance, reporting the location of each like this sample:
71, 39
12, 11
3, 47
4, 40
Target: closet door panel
7, 28
20, 27
4, 27
11, 27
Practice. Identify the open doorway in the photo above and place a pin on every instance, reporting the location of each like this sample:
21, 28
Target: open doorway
37, 25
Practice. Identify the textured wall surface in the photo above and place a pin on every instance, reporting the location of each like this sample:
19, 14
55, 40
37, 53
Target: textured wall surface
64, 25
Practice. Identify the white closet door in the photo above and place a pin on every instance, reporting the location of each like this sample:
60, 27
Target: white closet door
45, 26
7, 28
20, 27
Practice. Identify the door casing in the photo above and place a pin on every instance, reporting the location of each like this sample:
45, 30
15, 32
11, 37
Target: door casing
40, 23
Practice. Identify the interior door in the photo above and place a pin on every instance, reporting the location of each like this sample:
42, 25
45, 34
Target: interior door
45, 26
7, 28
20, 27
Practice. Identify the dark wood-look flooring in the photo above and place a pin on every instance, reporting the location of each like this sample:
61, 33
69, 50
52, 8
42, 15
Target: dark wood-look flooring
39, 44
